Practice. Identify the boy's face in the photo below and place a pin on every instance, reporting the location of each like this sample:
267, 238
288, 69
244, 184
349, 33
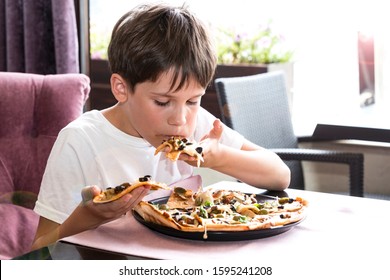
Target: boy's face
155, 112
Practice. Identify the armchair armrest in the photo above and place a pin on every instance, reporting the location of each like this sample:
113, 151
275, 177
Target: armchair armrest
354, 160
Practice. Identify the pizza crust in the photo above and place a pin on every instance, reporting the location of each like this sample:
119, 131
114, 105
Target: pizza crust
288, 218
150, 214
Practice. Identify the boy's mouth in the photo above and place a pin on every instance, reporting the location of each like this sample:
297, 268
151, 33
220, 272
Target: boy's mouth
176, 135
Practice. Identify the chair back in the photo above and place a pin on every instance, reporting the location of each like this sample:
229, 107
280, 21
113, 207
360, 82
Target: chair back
257, 106
33, 109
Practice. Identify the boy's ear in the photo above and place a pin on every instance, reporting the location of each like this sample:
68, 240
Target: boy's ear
119, 87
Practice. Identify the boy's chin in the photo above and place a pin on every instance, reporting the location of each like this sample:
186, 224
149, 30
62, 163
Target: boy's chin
155, 142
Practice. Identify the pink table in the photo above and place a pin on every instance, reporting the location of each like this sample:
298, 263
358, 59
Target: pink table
346, 231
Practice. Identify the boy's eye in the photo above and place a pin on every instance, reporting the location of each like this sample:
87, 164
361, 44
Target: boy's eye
193, 102
159, 103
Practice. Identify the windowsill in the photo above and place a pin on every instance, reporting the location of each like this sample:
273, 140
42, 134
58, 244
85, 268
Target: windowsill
368, 124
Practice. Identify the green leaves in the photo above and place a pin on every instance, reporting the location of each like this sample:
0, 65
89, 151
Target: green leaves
264, 46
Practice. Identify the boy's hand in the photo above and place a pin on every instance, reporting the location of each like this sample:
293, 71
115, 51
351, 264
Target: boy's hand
215, 133
210, 145
103, 213
88, 215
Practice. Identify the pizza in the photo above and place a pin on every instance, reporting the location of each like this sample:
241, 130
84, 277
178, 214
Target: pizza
222, 210
177, 145
114, 193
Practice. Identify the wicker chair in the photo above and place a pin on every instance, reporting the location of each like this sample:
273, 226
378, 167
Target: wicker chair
257, 107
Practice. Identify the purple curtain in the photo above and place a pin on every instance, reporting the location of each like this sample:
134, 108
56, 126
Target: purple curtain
38, 36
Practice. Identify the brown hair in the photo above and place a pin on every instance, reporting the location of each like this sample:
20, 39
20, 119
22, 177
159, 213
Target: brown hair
152, 39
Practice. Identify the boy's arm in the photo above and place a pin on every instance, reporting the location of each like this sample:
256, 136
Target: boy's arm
251, 164
87, 215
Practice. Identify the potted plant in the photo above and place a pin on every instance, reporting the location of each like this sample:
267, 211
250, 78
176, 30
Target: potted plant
248, 52
262, 45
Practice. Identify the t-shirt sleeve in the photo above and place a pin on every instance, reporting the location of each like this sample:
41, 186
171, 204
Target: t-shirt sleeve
229, 137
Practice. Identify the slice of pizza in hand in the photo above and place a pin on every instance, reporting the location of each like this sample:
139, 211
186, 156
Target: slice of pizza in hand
177, 145
114, 193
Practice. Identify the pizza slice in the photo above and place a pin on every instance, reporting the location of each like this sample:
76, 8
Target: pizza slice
177, 145
181, 198
114, 193
151, 213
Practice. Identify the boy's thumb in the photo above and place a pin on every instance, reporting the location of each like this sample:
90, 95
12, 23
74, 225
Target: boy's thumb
217, 129
89, 192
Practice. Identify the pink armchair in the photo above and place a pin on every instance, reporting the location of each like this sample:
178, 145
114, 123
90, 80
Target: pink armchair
33, 109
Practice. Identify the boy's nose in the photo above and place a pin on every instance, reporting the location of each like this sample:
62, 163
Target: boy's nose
178, 118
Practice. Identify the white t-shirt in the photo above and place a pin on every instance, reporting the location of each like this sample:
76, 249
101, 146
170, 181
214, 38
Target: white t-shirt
91, 151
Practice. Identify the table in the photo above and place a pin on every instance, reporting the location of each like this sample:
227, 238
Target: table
339, 233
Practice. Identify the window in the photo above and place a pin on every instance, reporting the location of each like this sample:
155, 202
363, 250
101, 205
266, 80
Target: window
324, 35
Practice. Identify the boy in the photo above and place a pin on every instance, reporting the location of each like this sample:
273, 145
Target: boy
161, 60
